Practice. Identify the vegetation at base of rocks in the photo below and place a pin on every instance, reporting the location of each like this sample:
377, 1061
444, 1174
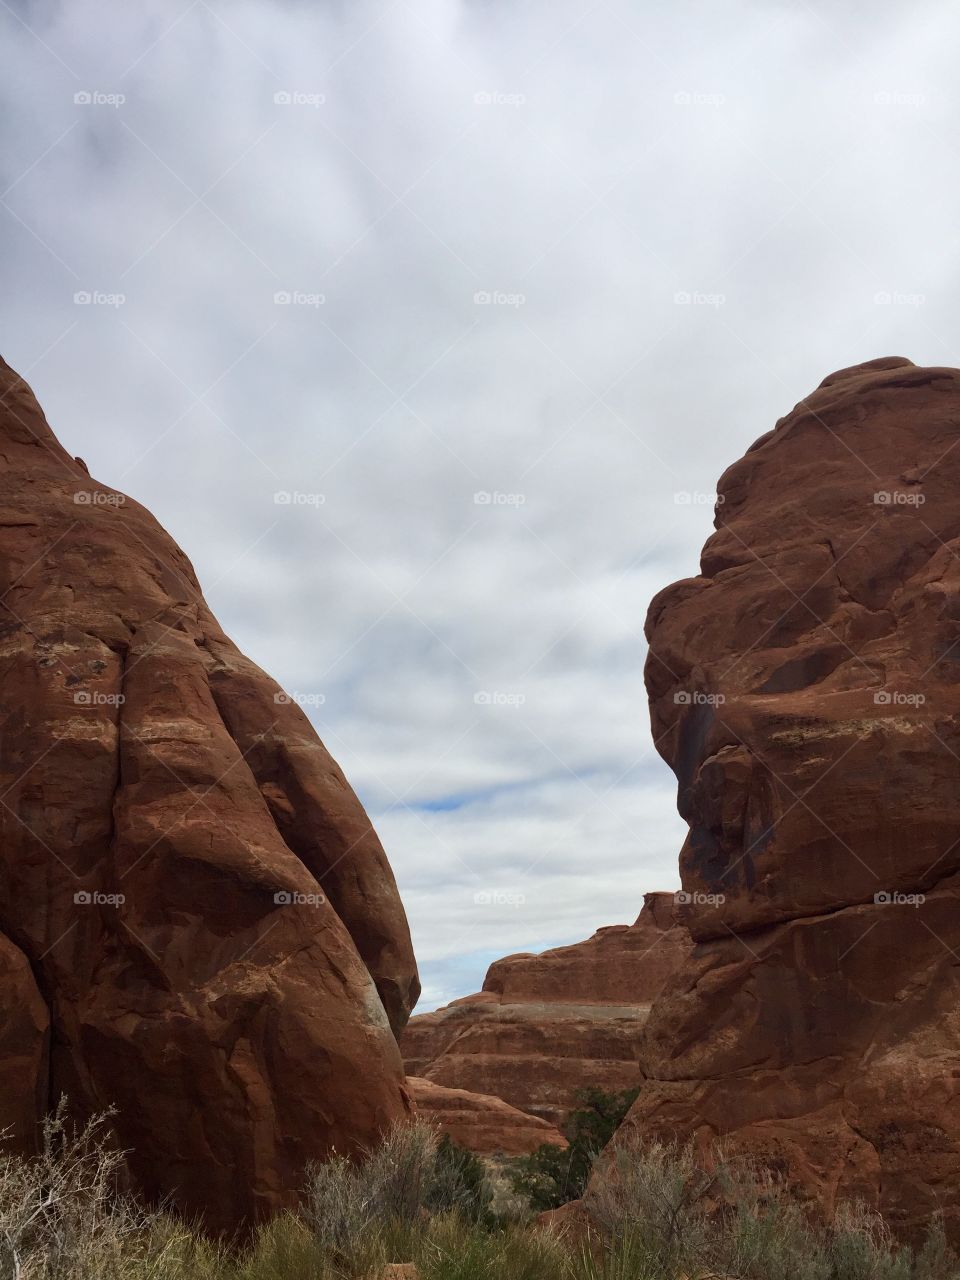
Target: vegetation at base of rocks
658, 1215
551, 1176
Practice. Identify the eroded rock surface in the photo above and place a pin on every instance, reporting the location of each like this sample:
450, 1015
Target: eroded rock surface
547, 1025
805, 689
212, 927
481, 1123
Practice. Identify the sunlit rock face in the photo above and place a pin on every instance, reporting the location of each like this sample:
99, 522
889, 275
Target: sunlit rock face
198, 924
805, 689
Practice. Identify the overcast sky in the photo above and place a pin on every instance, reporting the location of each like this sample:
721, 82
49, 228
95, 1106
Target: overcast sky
487, 289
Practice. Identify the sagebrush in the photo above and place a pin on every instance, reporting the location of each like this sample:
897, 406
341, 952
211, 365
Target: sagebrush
657, 1212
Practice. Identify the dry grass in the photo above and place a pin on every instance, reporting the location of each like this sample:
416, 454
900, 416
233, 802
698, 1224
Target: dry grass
659, 1215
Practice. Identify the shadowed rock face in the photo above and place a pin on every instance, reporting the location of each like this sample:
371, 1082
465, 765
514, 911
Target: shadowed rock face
547, 1025
805, 689
199, 925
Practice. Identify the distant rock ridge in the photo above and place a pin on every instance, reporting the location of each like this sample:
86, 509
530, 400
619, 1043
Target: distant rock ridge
481, 1123
198, 924
805, 689
547, 1025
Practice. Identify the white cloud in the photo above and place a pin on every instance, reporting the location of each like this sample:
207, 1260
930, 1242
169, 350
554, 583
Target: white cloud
783, 165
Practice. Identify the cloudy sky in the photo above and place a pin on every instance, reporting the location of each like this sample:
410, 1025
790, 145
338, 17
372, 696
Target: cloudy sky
492, 292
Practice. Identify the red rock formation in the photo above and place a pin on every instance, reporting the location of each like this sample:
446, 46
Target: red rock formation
547, 1025
805, 689
209, 917
481, 1123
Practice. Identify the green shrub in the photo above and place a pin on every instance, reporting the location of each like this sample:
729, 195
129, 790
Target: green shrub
552, 1176
459, 1182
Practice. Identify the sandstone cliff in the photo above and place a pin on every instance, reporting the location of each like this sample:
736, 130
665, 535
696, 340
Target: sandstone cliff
481, 1123
805, 689
198, 924
547, 1025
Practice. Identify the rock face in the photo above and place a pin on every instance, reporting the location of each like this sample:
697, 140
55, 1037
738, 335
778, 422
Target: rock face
547, 1025
805, 689
199, 925
483, 1124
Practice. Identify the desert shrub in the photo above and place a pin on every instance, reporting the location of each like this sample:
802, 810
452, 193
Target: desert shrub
661, 1214
459, 1182
652, 1200
64, 1215
365, 1211
551, 1176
